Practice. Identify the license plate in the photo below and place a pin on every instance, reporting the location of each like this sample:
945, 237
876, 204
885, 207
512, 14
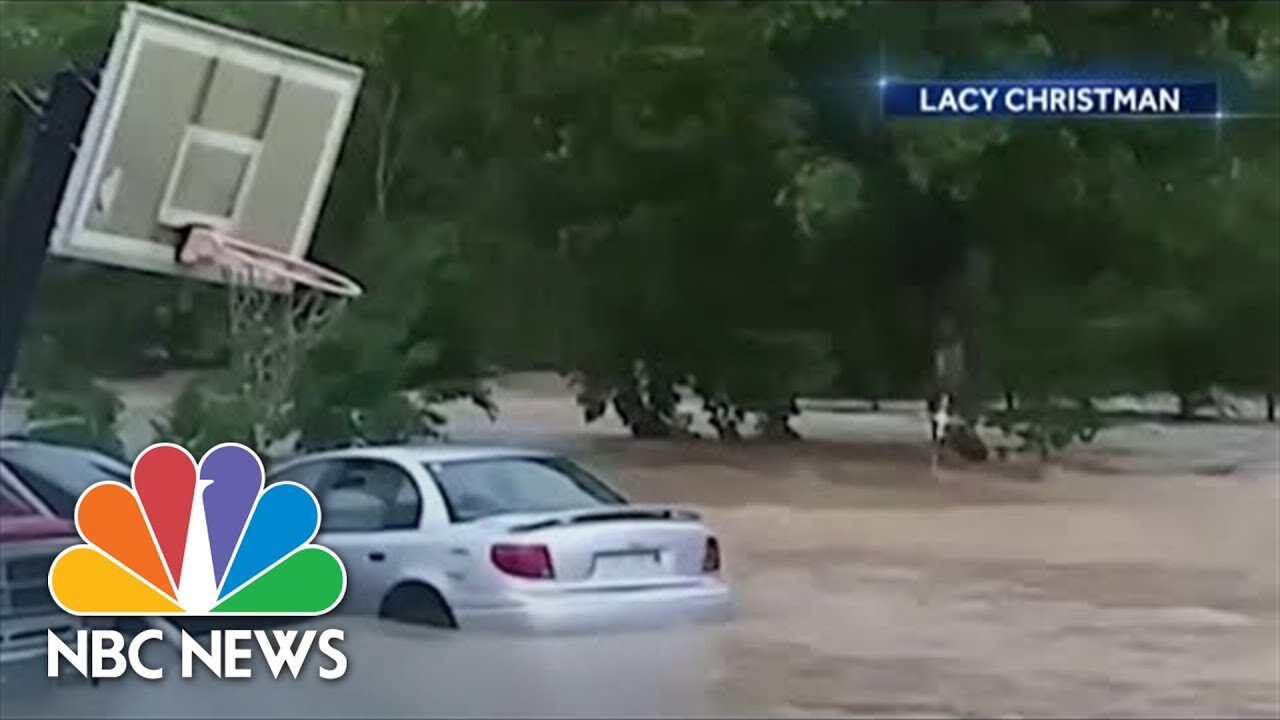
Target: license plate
626, 565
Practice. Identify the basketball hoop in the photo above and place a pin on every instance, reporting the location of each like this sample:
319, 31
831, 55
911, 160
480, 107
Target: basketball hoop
222, 189
278, 308
206, 246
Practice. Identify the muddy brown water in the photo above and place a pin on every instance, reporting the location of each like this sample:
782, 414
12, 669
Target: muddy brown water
866, 587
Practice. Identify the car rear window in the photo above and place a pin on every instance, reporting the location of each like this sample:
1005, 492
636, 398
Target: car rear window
481, 488
59, 477
13, 506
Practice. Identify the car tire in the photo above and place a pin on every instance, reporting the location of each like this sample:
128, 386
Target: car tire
417, 604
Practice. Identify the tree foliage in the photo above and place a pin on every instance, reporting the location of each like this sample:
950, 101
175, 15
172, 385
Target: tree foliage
700, 201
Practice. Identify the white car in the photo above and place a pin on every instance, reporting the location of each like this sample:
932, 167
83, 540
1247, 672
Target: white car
505, 539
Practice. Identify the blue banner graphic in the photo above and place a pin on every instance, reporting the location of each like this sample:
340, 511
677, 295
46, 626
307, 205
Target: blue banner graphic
1041, 98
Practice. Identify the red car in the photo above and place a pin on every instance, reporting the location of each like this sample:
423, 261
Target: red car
30, 538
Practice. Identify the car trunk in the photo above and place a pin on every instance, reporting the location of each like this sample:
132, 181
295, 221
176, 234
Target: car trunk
19, 528
616, 547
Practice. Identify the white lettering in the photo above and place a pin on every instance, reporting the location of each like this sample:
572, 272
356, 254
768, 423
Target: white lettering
967, 101
989, 97
277, 658
1037, 99
233, 653
230, 653
1146, 101
212, 658
78, 658
947, 103
1050, 99
327, 639
1084, 100
1126, 98
135, 654
1104, 99
106, 646
924, 101
1058, 100
1016, 100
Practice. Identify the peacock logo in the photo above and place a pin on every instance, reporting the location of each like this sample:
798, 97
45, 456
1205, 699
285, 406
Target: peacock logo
197, 540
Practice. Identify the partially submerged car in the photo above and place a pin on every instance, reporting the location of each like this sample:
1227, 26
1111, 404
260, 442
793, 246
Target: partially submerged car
40, 483
505, 539
30, 539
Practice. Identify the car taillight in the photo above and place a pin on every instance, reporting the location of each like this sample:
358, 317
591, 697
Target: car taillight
525, 561
711, 556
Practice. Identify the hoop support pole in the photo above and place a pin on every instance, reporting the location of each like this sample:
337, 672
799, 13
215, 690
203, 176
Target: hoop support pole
31, 210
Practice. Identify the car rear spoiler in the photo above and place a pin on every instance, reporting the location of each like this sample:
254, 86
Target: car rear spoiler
605, 514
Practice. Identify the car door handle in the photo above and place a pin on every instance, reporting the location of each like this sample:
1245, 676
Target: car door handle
377, 556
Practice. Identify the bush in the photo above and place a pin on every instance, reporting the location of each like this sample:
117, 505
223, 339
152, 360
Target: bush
67, 405
208, 412
84, 416
1046, 426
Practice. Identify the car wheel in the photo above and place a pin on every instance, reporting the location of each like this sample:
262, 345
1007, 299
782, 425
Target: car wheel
418, 604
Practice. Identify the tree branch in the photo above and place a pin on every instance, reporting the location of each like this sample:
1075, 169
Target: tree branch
381, 178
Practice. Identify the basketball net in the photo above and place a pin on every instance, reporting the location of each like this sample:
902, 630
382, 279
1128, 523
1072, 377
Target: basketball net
278, 309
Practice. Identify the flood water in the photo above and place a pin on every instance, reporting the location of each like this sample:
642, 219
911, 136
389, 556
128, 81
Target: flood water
399, 671
1077, 617
865, 587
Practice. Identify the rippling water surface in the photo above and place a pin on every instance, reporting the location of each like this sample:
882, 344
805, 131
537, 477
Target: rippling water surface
866, 588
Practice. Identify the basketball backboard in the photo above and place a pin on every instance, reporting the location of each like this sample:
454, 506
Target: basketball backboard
195, 124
